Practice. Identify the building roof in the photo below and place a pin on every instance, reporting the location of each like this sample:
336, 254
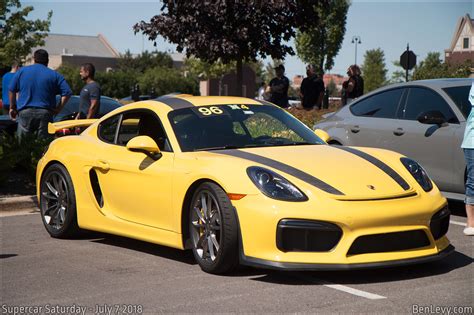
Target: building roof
459, 27
92, 46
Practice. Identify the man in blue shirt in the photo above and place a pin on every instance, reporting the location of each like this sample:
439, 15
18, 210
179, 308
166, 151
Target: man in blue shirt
7, 77
37, 86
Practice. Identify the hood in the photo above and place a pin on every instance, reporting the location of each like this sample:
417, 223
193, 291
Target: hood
344, 173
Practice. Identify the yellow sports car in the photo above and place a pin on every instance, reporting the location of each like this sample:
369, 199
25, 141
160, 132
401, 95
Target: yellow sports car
240, 181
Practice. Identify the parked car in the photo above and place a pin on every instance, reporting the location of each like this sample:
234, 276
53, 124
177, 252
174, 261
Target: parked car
219, 176
69, 111
424, 120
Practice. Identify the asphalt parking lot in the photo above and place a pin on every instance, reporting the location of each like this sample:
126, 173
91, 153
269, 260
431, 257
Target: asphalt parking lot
106, 274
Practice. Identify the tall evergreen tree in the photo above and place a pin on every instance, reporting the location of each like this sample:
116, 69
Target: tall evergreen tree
321, 42
374, 70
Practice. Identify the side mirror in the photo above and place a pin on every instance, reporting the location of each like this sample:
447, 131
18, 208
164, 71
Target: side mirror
322, 134
146, 145
432, 117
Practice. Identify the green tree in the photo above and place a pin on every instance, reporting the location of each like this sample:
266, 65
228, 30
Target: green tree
321, 42
144, 61
431, 67
399, 75
167, 80
230, 31
71, 75
373, 69
18, 35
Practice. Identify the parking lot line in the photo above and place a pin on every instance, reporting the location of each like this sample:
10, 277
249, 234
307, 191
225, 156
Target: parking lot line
353, 291
343, 288
457, 223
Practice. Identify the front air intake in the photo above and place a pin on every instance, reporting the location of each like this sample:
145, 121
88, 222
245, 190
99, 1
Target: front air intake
389, 242
307, 236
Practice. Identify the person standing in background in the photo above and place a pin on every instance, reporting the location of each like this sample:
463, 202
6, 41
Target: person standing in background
312, 89
279, 88
37, 86
89, 103
7, 77
468, 147
354, 87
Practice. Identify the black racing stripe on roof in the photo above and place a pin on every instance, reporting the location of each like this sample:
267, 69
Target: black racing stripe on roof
316, 182
381, 165
263, 102
175, 102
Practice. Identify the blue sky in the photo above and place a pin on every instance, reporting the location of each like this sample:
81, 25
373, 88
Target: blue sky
389, 25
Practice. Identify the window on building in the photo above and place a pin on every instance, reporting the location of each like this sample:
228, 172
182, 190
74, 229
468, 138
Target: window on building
465, 44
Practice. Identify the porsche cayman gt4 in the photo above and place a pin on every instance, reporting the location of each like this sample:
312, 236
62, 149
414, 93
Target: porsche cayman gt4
240, 181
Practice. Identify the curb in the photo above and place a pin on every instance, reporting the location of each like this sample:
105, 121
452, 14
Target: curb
18, 203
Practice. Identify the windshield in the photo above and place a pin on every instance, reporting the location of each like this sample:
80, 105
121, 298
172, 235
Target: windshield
460, 96
238, 126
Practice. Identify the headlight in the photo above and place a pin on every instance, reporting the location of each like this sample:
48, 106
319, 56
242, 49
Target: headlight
274, 186
418, 173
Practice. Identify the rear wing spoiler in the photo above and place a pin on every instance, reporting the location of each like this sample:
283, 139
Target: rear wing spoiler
60, 125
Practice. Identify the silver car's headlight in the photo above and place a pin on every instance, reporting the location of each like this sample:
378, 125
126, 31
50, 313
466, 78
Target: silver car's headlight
418, 173
274, 186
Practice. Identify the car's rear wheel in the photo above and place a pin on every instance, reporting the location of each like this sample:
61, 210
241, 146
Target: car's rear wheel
213, 229
58, 202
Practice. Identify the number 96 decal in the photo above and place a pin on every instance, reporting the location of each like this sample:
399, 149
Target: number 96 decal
209, 111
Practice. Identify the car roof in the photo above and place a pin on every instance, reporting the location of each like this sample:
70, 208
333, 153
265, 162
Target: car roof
189, 101
436, 83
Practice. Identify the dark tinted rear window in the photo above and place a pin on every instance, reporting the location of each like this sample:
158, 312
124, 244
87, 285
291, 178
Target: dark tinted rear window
460, 95
382, 105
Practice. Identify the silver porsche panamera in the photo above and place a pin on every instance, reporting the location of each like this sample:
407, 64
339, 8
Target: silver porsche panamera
424, 120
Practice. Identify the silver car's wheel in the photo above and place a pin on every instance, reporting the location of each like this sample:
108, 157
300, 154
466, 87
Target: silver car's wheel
213, 229
57, 202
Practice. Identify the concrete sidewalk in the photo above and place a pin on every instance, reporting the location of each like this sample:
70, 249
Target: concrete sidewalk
14, 205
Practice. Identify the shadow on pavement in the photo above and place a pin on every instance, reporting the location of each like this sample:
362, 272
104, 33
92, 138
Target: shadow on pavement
147, 248
3, 256
454, 261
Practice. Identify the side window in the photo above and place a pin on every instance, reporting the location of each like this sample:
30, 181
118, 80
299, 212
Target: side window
108, 128
421, 100
382, 105
142, 123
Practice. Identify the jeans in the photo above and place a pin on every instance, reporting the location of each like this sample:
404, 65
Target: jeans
33, 121
469, 156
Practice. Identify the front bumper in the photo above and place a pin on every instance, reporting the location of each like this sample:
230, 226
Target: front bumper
267, 264
259, 216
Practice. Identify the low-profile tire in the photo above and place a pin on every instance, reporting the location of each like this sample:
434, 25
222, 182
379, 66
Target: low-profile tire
58, 202
213, 229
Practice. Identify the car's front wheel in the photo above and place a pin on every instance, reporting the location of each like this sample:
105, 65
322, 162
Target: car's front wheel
58, 202
213, 229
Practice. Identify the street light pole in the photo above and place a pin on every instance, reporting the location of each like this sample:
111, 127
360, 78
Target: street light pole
356, 40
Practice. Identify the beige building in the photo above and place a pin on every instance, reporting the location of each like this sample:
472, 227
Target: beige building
78, 49
462, 44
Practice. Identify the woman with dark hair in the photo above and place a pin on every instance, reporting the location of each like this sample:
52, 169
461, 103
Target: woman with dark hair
354, 87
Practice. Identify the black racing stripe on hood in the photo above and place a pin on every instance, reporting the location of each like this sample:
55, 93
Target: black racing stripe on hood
284, 168
381, 165
175, 102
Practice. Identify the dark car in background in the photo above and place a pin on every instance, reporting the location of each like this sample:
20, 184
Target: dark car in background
424, 120
69, 111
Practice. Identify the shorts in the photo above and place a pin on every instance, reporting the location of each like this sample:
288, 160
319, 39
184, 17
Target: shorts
469, 156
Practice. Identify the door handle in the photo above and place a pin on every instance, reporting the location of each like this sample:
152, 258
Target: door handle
355, 129
102, 165
399, 132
